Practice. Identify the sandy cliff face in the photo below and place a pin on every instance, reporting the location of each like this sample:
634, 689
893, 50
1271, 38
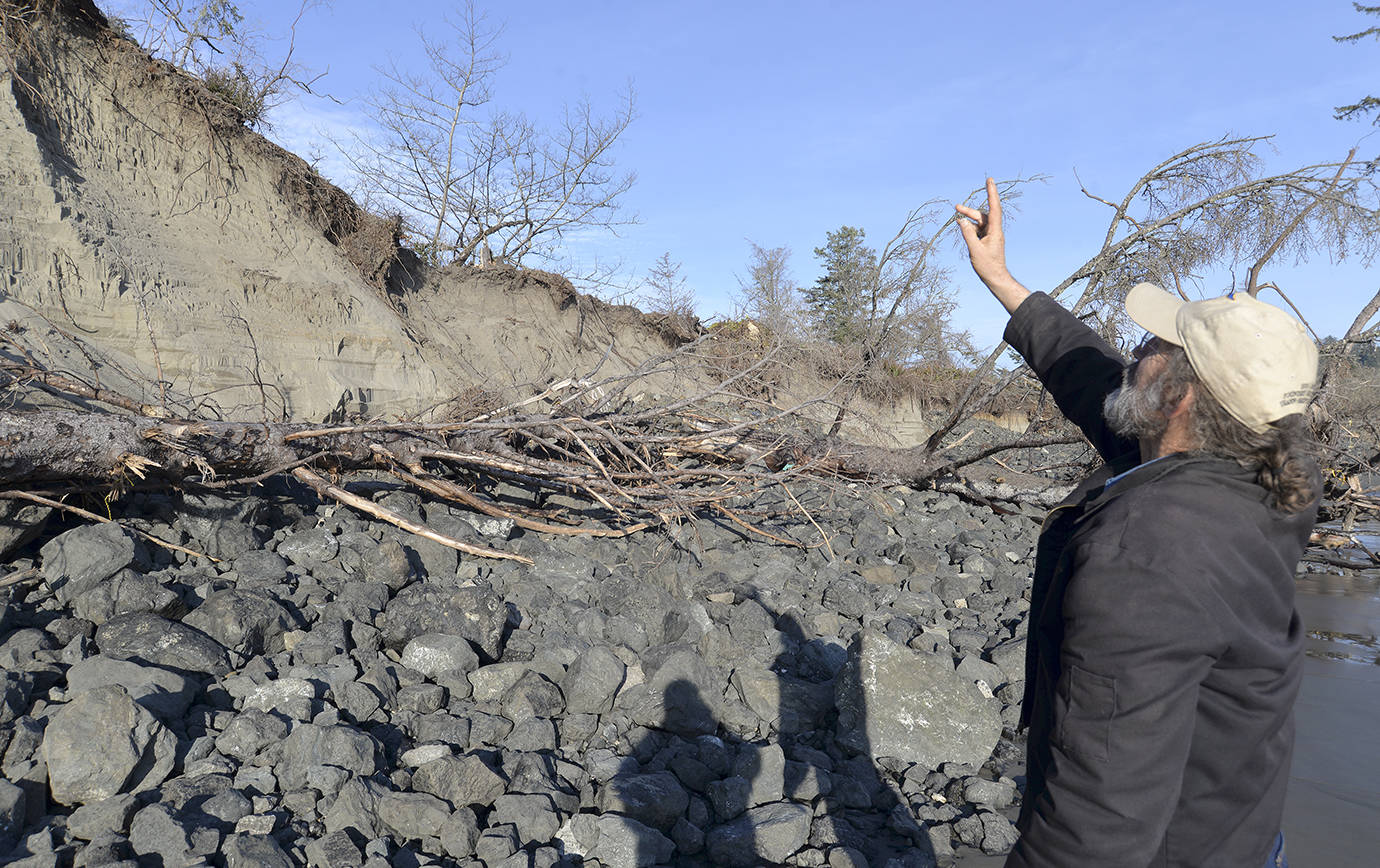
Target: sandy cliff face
138, 214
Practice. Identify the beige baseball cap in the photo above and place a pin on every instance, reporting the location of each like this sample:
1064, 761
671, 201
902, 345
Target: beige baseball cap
1254, 358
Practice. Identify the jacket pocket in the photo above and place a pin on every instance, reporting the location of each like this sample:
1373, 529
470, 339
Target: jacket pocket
1087, 703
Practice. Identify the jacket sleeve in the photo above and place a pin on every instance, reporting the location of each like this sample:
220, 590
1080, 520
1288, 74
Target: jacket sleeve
1138, 643
1074, 363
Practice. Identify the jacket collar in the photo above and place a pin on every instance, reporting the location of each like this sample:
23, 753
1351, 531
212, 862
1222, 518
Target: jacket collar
1134, 473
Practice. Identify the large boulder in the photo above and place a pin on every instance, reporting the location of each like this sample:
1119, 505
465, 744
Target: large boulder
764, 835
166, 694
222, 527
102, 743
124, 593
311, 745
896, 702
243, 621
156, 640
476, 613
82, 558
655, 799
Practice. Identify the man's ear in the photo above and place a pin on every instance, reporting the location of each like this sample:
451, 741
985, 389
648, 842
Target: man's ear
1184, 407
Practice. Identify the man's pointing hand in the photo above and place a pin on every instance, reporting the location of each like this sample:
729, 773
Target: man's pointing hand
982, 232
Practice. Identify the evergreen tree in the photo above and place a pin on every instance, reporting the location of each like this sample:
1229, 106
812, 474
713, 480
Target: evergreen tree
836, 301
1367, 104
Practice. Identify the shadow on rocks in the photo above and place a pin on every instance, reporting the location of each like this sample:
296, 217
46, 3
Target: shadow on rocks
858, 810
754, 803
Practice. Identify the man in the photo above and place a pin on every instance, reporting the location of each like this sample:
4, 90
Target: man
1164, 651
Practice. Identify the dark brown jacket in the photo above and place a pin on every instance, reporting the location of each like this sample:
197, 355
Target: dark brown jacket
1164, 651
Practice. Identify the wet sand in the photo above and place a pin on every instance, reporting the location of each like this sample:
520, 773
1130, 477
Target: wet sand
1332, 815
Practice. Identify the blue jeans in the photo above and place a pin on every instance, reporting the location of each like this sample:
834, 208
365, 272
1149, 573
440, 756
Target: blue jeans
1277, 857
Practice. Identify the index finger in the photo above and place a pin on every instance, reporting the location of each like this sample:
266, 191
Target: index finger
993, 203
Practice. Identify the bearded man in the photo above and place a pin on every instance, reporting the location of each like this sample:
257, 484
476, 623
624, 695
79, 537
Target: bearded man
1164, 651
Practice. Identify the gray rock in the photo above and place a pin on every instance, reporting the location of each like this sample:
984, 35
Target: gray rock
533, 734
311, 745
476, 613
1010, 658
162, 643
806, 781
222, 527
941, 841
688, 837
15, 690
973, 668
460, 780
23, 648
592, 681
990, 794
309, 547
12, 813
765, 767
25, 739
489, 683
78, 560
532, 814
682, 696
968, 830
656, 799
260, 568
767, 833
294, 698
435, 654
444, 728
420, 698
102, 743
622, 842
641, 602
895, 702
155, 833
250, 732
254, 851
245, 621
786, 704
998, 834
493, 528
848, 596
412, 815
729, 796
20, 524
356, 807
166, 694
532, 696
334, 850
460, 833
125, 593
959, 587
387, 563
496, 844
229, 806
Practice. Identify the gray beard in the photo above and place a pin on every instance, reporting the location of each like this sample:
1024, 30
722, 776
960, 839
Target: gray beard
1135, 411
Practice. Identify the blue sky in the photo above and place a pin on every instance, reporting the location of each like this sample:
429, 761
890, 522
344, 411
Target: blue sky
780, 121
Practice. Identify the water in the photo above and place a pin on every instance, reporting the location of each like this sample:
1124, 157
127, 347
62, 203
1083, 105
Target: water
1338, 628
1333, 806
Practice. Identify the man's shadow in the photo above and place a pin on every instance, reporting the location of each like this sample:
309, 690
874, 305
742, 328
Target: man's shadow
851, 803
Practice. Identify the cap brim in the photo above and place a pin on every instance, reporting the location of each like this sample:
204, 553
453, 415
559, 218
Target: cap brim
1154, 310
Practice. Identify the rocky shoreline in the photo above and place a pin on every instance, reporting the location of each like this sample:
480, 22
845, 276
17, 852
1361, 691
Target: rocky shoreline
336, 692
